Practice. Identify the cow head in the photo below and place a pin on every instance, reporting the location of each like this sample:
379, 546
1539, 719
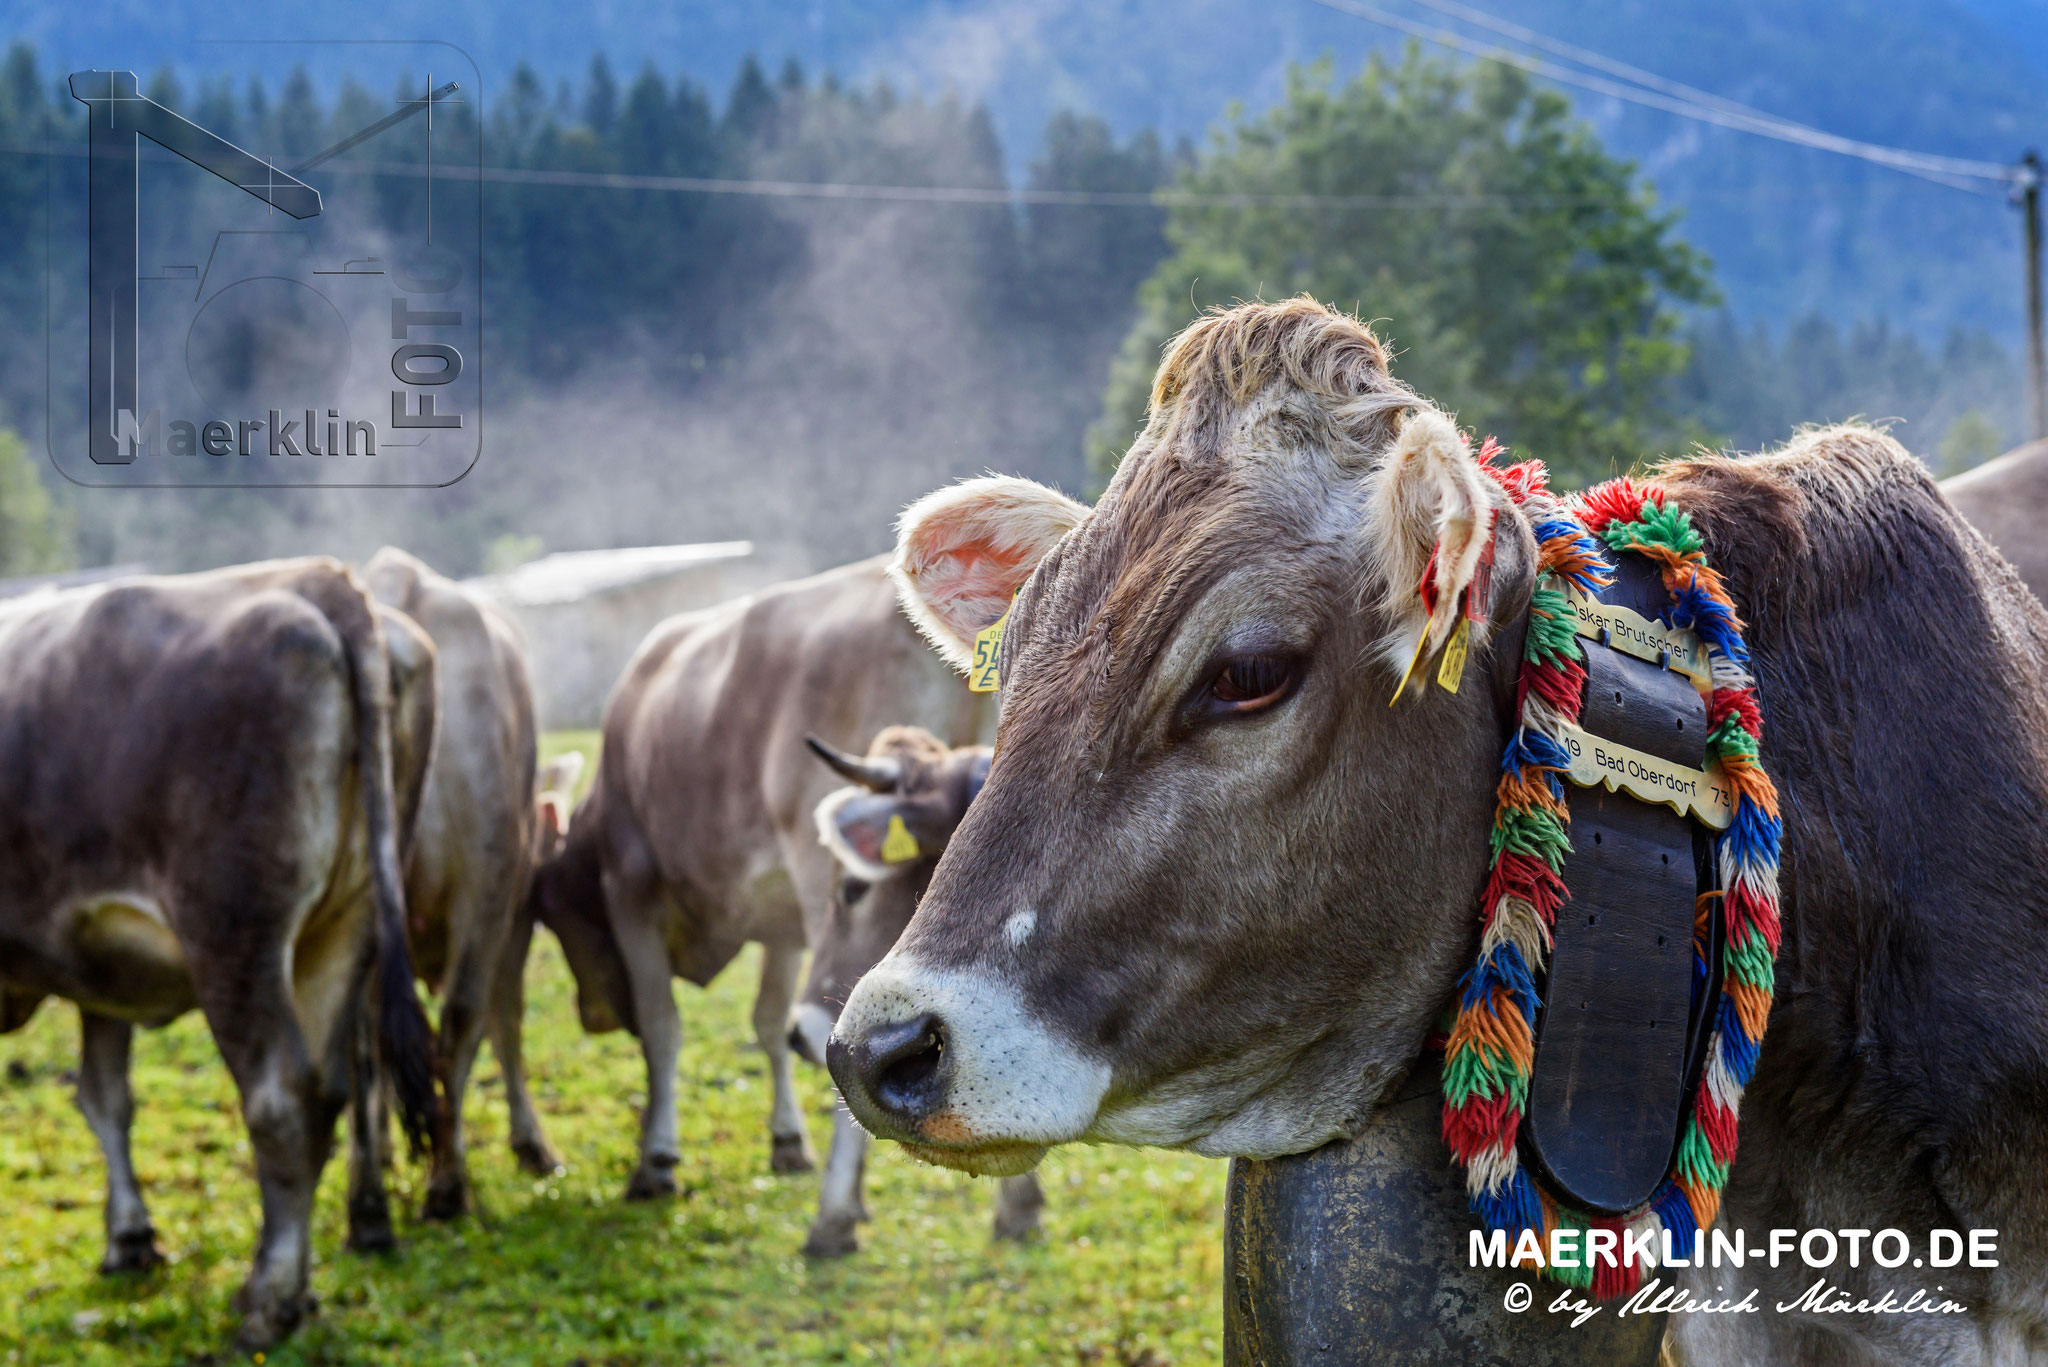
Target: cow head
886, 831
1216, 890
567, 896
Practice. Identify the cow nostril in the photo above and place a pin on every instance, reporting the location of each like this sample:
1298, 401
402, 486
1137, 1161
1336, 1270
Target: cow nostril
904, 1064
906, 1082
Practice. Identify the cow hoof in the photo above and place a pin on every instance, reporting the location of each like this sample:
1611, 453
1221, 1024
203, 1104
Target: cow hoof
265, 1326
832, 1238
447, 1199
369, 1225
1017, 1228
371, 1238
790, 1153
135, 1251
1017, 1211
652, 1182
536, 1157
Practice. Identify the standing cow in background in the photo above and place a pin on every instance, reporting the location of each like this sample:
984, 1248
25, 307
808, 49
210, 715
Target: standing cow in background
210, 779
887, 832
2007, 500
697, 835
466, 876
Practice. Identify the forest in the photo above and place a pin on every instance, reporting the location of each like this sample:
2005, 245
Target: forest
793, 368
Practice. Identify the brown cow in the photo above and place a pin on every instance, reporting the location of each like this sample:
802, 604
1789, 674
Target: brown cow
2007, 500
697, 834
209, 779
466, 875
907, 779
1216, 891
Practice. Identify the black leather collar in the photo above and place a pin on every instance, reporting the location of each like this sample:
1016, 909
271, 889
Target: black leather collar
1622, 1032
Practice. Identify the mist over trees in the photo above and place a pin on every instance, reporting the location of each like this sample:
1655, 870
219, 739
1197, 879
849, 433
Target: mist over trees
671, 364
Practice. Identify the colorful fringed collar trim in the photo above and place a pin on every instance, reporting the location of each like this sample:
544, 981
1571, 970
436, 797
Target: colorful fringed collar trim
1489, 1055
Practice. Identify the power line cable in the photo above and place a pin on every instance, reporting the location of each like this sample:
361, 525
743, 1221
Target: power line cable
1659, 93
1162, 198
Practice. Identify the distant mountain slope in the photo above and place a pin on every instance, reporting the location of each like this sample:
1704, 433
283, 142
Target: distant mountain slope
1790, 230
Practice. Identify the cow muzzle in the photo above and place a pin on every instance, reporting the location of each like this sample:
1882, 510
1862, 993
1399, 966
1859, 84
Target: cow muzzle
948, 1063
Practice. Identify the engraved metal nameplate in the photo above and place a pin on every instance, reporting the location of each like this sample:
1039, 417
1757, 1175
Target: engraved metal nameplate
1700, 793
1633, 634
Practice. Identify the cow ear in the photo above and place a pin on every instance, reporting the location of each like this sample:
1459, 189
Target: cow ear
962, 553
866, 833
559, 774
1430, 523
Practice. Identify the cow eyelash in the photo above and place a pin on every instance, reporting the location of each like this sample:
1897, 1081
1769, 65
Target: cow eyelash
1251, 683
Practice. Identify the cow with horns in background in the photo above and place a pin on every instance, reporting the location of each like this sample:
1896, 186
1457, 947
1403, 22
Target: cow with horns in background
698, 836
211, 780
887, 831
1215, 892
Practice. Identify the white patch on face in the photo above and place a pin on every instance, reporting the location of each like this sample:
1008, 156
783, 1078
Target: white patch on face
1009, 1081
814, 1023
1019, 927
867, 870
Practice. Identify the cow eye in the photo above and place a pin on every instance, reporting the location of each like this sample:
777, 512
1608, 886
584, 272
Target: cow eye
1247, 683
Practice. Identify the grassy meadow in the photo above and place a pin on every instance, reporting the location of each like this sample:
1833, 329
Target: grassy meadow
560, 1271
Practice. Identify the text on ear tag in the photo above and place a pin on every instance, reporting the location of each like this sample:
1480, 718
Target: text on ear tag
899, 846
1452, 671
984, 675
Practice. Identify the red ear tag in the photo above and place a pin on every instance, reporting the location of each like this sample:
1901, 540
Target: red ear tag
1479, 594
1427, 588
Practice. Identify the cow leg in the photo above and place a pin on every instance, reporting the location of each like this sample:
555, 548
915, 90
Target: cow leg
464, 1010
1018, 1201
840, 1206
109, 1108
635, 914
369, 1140
789, 1148
257, 1031
508, 1010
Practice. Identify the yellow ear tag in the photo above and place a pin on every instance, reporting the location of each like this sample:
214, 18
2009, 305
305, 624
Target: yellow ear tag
984, 676
1413, 660
1452, 672
899, 846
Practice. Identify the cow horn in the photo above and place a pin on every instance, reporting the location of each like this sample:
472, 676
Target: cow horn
875, 775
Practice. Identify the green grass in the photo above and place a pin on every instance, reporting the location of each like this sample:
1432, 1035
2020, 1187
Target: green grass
562, 1271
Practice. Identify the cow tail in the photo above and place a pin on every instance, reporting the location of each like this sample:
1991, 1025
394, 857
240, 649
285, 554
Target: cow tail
404, 1037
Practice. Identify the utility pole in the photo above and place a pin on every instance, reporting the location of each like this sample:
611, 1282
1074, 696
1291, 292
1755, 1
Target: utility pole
2029, 187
